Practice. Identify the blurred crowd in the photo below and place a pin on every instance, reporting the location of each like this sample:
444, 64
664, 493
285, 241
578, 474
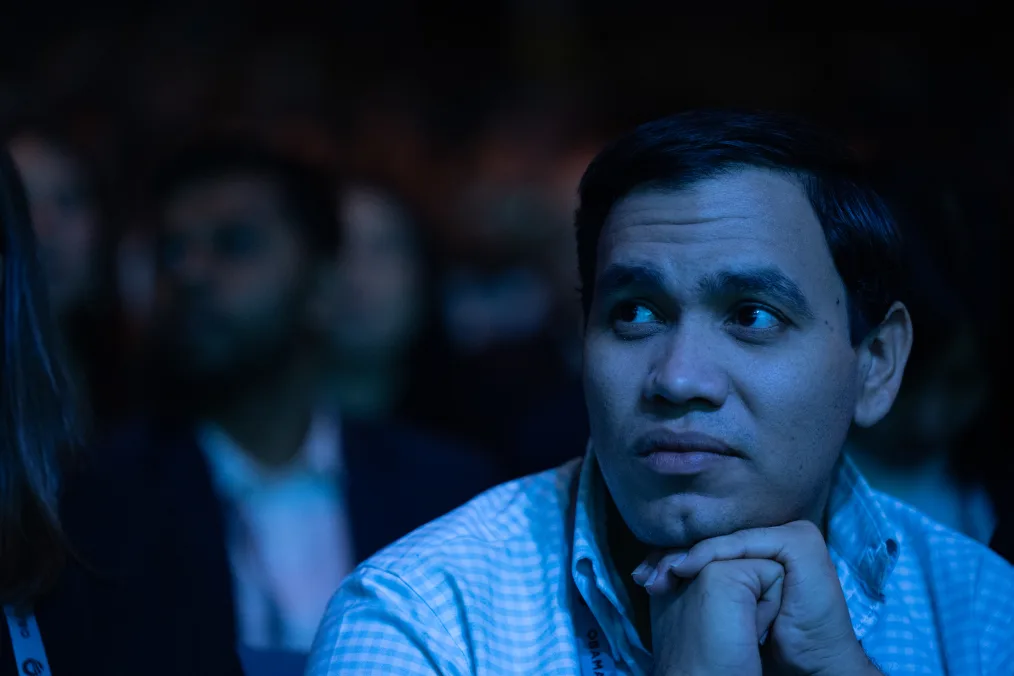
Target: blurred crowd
158, 164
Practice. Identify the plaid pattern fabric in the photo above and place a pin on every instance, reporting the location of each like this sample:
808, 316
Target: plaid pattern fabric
488, 589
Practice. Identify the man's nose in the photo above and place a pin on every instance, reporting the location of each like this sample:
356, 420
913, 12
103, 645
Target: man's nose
687, 371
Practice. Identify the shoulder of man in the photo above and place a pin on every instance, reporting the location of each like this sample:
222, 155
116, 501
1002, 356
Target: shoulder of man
510, 512
415, 599
972, 587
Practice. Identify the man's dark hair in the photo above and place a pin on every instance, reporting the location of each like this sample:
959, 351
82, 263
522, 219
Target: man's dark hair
678, 151
308, 193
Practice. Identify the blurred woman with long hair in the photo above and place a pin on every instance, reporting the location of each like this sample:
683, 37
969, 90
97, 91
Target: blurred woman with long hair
77, 234
37, 420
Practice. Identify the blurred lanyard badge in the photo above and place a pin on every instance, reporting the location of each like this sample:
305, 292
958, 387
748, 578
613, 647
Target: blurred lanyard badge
28, 649
592, 646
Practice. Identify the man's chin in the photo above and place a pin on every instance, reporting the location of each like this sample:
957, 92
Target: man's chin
682, 523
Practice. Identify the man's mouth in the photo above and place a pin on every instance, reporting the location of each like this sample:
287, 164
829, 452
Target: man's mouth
667, 451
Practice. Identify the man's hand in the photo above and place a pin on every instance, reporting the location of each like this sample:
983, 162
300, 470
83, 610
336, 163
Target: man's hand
712, 625
812, 632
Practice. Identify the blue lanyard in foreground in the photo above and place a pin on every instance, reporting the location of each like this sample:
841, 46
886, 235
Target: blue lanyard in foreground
592, 645
27, 642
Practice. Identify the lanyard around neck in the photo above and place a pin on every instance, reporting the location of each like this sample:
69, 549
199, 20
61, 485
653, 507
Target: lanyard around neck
27, 642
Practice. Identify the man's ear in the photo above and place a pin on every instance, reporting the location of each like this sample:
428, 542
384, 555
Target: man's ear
881, 365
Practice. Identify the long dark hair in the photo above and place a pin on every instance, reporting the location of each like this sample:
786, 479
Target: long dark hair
93, 332
36, 411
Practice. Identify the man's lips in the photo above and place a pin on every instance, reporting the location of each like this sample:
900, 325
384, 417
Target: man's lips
671, 441
673, 452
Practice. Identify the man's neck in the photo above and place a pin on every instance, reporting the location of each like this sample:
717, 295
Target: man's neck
269, 419
367, 391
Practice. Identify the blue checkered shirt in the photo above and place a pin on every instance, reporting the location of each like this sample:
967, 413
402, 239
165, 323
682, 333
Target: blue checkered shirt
489, 588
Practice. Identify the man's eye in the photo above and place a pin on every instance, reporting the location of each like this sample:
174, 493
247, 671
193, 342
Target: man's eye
634, 313
757, 318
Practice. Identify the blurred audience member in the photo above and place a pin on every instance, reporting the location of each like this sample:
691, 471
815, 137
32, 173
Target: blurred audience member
76, 246
249, 240
509, 302
914, 451
554, 428
79, 595
381, 305
391, 358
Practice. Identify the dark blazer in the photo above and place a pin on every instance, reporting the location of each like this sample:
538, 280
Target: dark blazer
396, 479
123, 605
150, 590
157, 596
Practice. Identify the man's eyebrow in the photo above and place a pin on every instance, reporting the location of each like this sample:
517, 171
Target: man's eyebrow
764, 281
618, 278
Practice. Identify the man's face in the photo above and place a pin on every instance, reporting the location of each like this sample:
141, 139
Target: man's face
718, 310
379, 278
233, 280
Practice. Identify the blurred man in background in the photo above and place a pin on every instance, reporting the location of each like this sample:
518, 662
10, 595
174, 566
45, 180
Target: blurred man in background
248, 241
381, 310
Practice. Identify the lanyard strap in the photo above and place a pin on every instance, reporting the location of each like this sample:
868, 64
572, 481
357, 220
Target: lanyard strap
592, 646
27, 642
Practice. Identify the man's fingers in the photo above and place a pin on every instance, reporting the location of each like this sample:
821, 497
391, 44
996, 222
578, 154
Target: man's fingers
644, 572
659, 581
746, 583
784, 544
770, 602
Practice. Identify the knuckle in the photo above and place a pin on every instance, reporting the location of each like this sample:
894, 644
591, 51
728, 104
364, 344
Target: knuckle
702, 550
717, 572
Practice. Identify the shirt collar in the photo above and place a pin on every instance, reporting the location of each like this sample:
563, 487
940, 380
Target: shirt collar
589, 555
863, 543
236, 473
597, 581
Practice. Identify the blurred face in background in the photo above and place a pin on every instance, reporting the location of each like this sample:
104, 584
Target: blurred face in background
64, 217
234, 276
380, 281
